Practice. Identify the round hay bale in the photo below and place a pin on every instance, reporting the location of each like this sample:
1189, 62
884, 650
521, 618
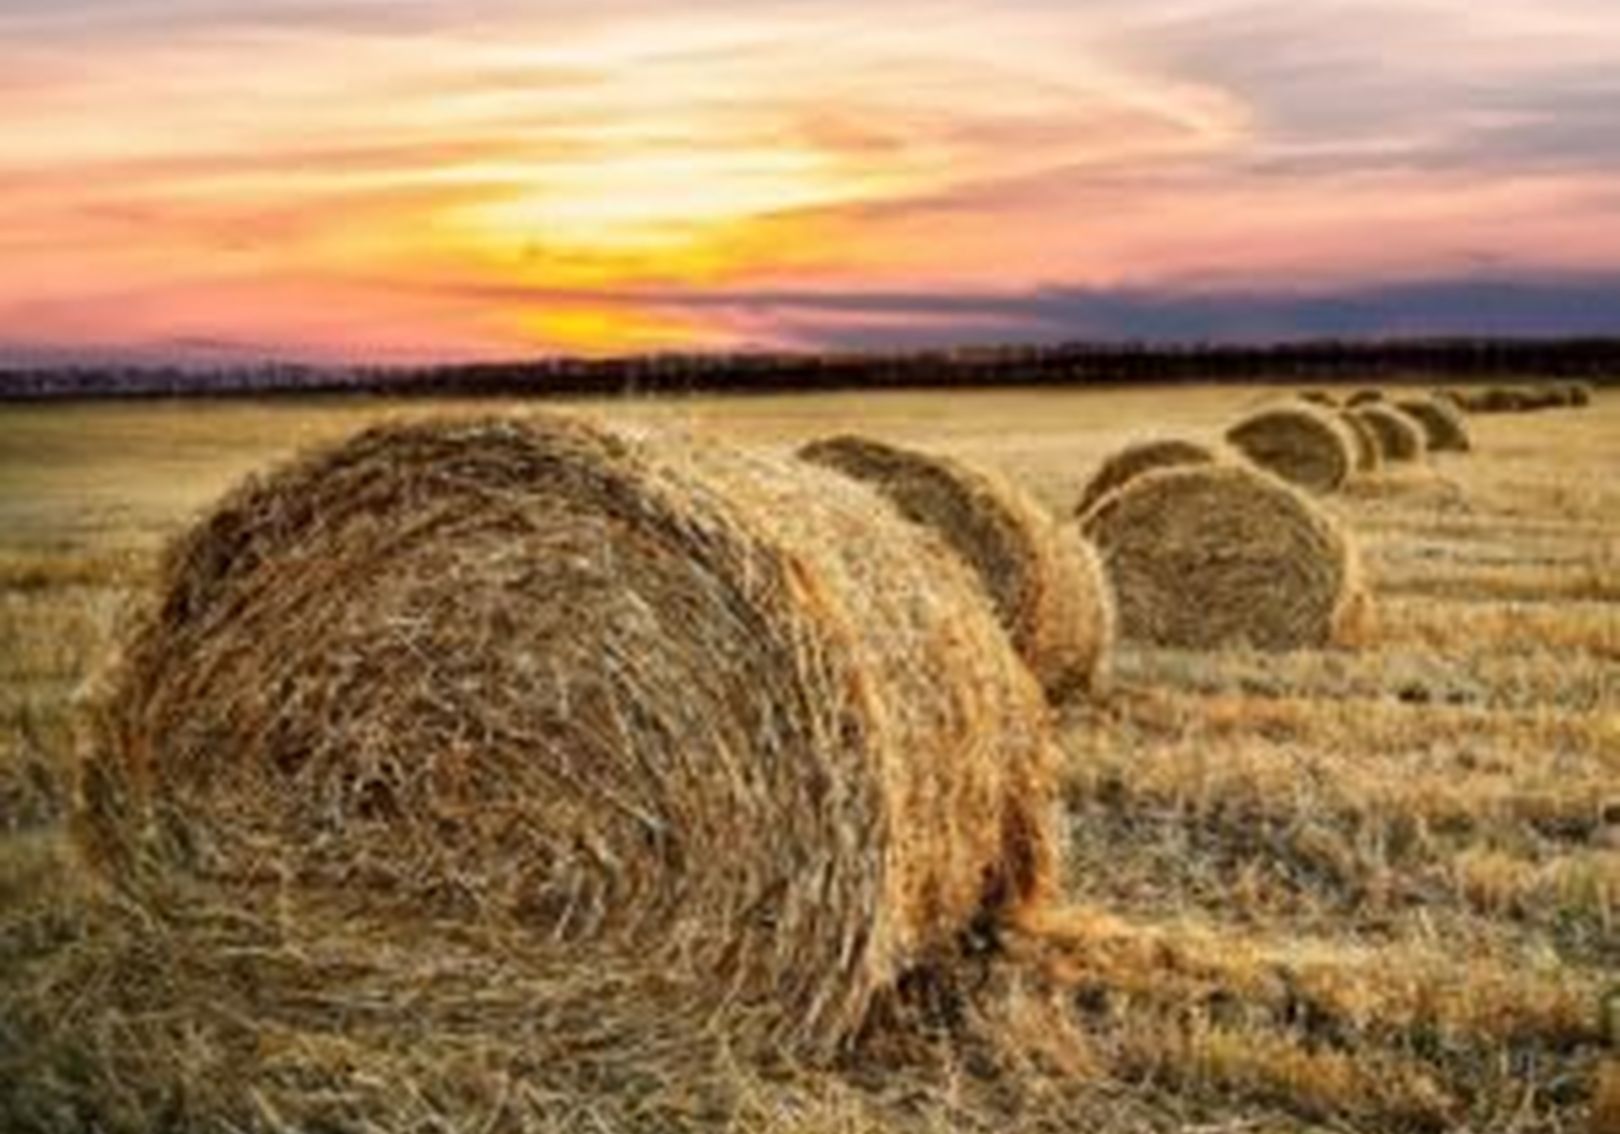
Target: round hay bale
1368, 457
1502, 399
1045, 581
1538, 397
1575, 394
722, 714
1206, 556
1137, 458
1399, 437
1301, 444
1364, 397
1443, 426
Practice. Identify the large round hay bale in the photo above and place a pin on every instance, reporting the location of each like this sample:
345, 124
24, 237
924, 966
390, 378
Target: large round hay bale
1303, 445
1044, 580
1399, 437
1368, 457
1137, 458
723, 714
1443, 426
1207, 556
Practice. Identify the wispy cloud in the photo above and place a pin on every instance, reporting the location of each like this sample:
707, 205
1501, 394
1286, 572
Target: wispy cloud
175, 170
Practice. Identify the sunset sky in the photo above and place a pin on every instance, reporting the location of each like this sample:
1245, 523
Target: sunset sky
225, 180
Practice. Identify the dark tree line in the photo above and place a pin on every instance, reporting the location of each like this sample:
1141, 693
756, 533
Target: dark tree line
1066, 364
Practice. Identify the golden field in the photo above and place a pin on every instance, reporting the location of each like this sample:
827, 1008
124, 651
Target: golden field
1370, 890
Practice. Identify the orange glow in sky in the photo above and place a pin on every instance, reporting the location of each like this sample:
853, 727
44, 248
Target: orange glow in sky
430, 179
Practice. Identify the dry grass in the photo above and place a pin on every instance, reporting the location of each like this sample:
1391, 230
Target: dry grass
1314, 890
1606, 1100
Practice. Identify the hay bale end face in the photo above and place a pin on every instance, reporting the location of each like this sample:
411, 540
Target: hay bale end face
1367, 454
1443, 426
1400, 439
1136, 459
722, 714
1043, 580
1208, 556
1301, 444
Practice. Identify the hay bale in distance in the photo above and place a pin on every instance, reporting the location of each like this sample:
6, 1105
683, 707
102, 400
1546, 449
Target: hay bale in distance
1541, 396
1443, 426
1320, 398
1570, 394
1044, 580
723, 714
1301, 444
1136, 459
1364, 397
1367, 454
1205, 556
1399, 437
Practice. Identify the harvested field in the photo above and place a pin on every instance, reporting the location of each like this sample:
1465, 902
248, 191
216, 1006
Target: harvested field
1372, 890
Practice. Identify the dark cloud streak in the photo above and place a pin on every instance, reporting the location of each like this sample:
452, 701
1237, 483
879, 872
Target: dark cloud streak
1483, 305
